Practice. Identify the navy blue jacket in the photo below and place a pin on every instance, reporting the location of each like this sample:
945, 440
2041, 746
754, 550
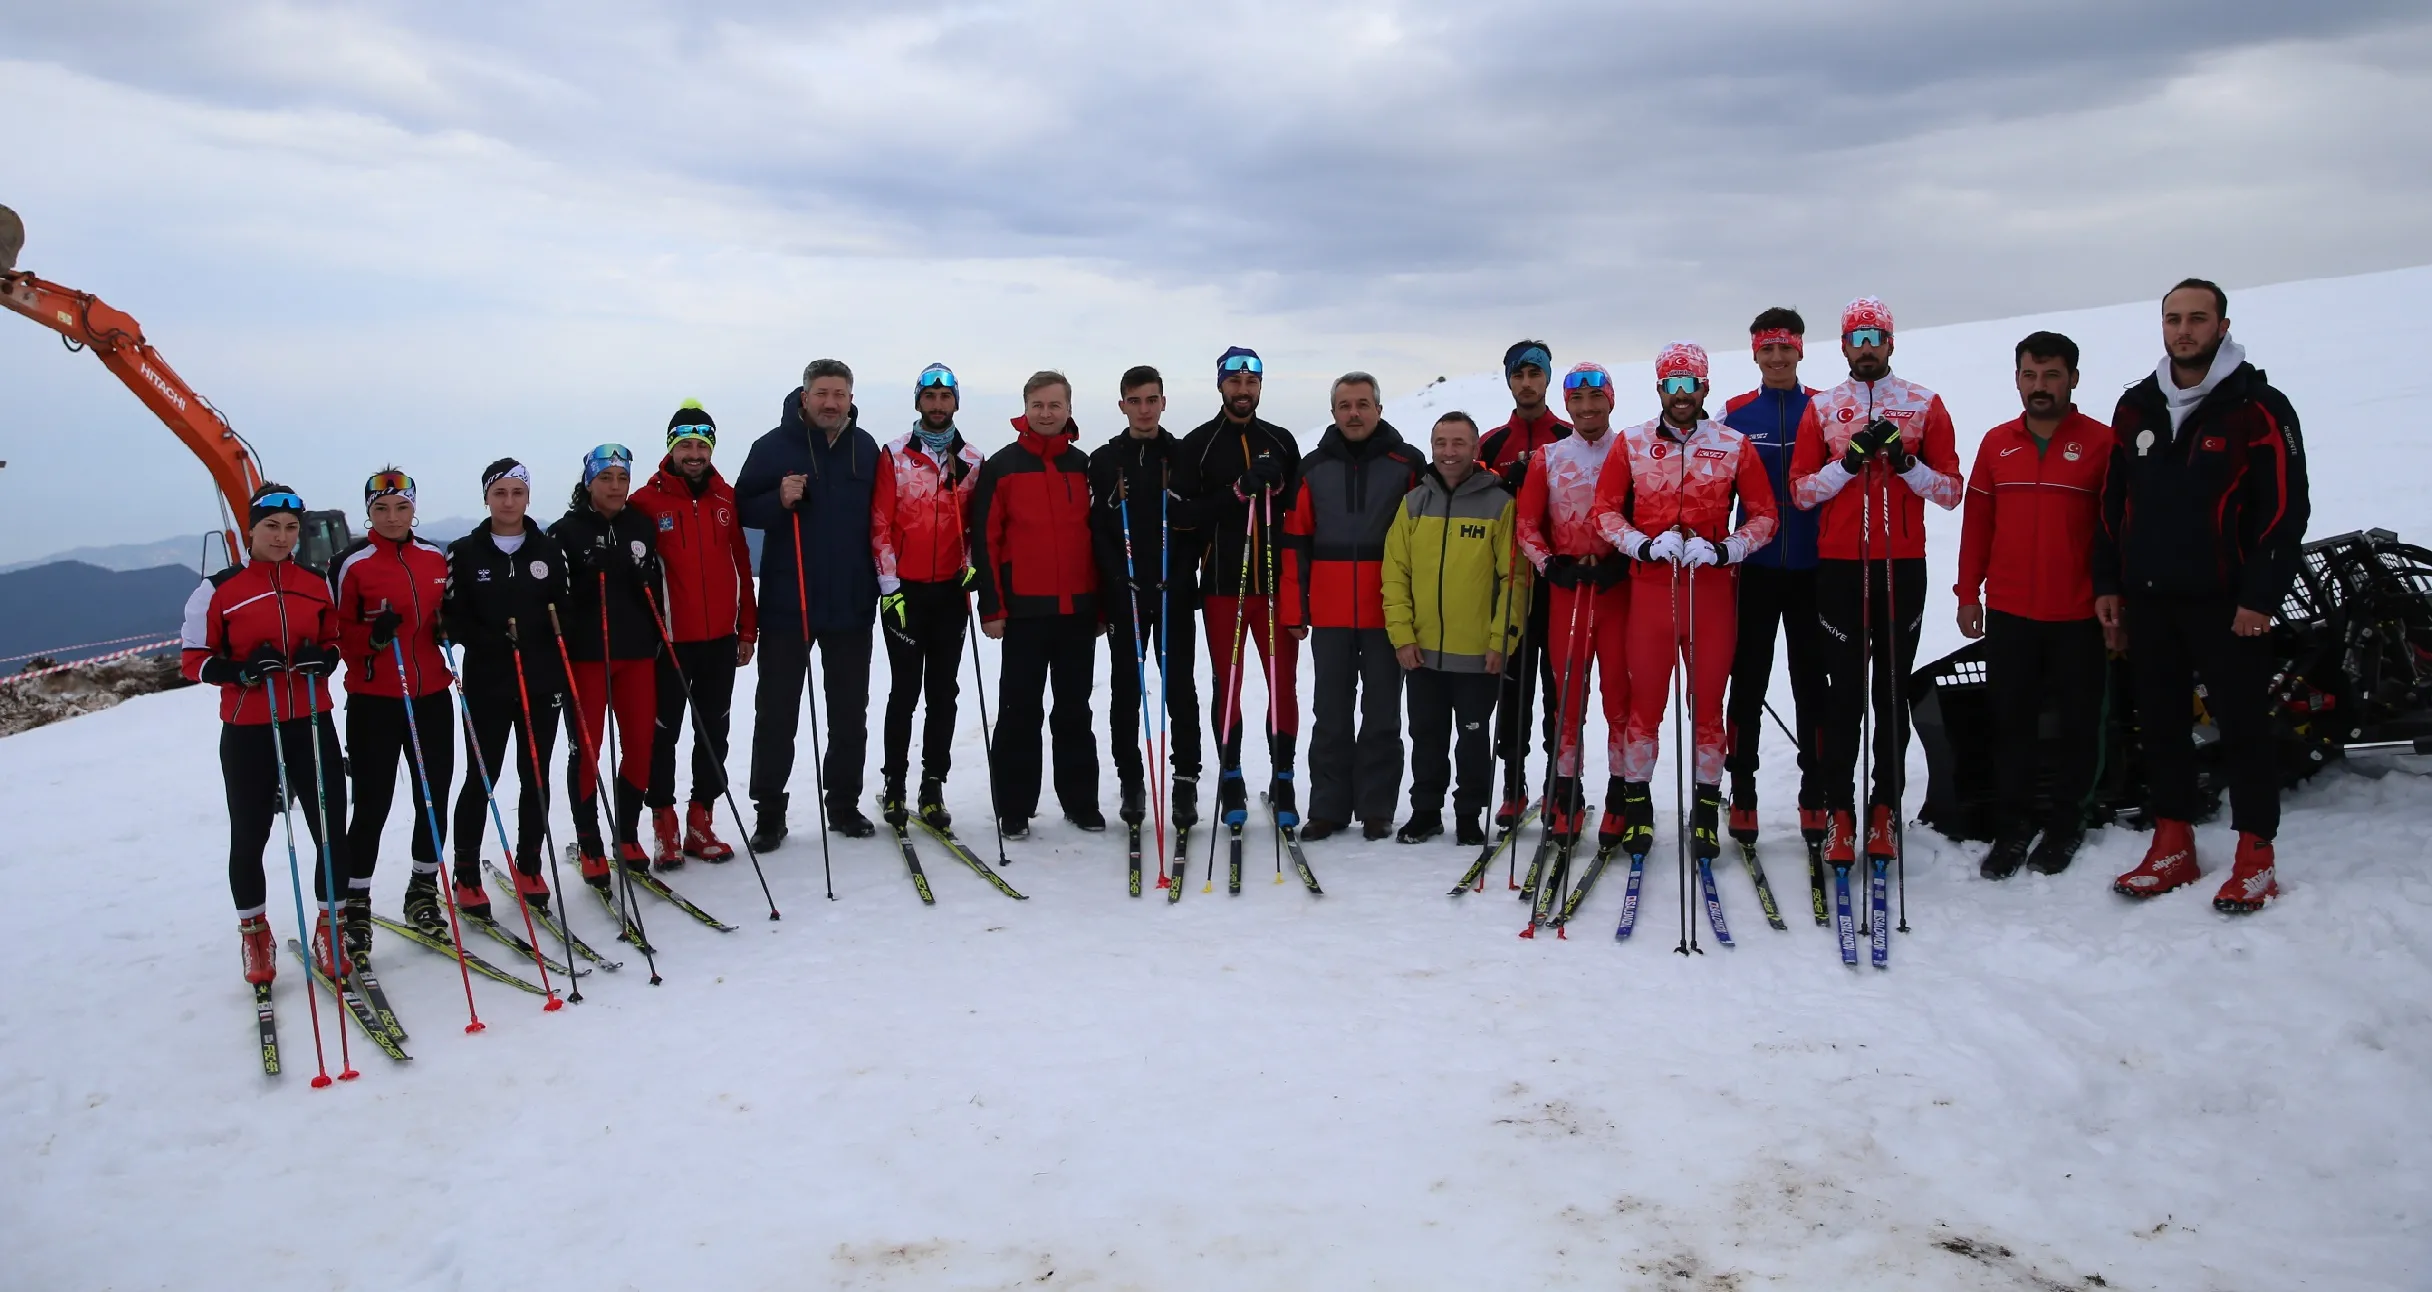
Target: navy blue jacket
1770, 419
842, 579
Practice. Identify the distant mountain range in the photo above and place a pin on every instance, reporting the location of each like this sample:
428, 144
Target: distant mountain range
188, 549
67, 603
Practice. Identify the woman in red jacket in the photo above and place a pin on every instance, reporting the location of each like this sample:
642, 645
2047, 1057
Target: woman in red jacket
266, 634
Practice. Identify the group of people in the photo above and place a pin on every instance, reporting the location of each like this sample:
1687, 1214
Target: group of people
1473, 577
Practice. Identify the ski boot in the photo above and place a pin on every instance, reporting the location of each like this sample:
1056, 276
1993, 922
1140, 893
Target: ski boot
1285, 798
531, 889
1468, 833
768, 831
1840, 838
2056, 849
1185, 804
472, 900
1232, 798
357, 912
701, 835
848, 821
593, 860
1421, 827
1814, 824
1705, 813
2170, 862
2008, 853
1013, 828
633, 858
261, 950
1882, 833
1743, 815
1632, 822
1134, 809
1562, 809
933, 804
2252, 878
1515, 806
669, 840
891, 805
338, 968
422, 902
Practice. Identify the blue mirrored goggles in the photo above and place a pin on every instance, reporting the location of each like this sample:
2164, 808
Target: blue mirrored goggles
1242, 363
277, 502
1590, 378
604, 457
1865, 338
1679, 383
937, 379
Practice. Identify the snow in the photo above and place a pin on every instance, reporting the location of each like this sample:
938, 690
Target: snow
1382, 1087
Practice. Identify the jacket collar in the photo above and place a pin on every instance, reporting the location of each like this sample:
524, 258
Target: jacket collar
1044, 446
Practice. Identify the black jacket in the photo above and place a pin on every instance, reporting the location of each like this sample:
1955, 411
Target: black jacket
2217, 508
1212, 459
620, 559
839, 576
486, 588
1141, 472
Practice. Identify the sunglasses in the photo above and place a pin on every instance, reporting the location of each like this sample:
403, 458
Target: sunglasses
1242, 363
1590, 378
937, 379
278, 501
1679, 383
1865, 338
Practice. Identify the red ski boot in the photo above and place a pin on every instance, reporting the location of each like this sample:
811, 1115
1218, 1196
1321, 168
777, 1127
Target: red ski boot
1743, 823
1814, 824
2170, 863
2251, 878
701, 835
664, 834
594, 865
1562, 814
320, 949
532, 889
1882, 833
633, 858
261, 952
472, 901
1841, 838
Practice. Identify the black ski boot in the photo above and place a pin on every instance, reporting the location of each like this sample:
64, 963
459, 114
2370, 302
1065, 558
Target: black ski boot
1013, 828
1135, 804
1637, 818
1706, 823
847, 820
1468, 833
2008, 853
2056, 849
1421, 827
1616, 821
1232, 798
933, 803
358, 911
891, 805
1185, 807
1088, 817
1563, 809
1283, 750
422, 902
1743, 812
768, 832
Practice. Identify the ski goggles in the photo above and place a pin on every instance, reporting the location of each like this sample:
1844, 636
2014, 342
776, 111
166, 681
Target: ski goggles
270, 504
385, 483
1591, 378
1866, 338
605, 457
1679, 383
936, 378
1241, 363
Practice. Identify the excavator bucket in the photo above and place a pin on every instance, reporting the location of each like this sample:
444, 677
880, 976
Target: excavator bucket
12, 240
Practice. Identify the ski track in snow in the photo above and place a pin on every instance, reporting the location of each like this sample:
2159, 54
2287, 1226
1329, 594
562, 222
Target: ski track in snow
1379, 1088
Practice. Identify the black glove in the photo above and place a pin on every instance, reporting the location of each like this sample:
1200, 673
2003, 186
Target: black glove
1515, 473
264, 661
1880, 433
1564, 571
1854, 458
1898, 455
1265, 474
1608, 572
384, 627
313, 660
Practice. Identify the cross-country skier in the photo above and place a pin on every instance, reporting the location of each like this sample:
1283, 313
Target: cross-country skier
1235, 466
1134, 473
388, 586
1891, 439
1340, 510
611, 552
1666, 503
1528, 372
1777, 585
917, 538
1454, 607
251, 629
714, 620
2203, 514
1590, 609
2026, 585
807, 486
503, 580
1038, 593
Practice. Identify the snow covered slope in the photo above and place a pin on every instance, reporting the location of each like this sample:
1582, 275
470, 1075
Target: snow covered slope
1379, 1088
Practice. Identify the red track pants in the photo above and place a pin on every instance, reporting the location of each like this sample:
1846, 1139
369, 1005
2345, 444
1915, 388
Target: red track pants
635, 683
1223, 615
1584, 633
1661, 604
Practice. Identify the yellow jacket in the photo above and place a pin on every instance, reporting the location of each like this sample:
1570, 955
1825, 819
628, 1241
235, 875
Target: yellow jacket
1452, 584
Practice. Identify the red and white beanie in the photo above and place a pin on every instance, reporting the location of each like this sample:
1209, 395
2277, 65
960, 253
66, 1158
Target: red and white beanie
1681, 359
1866, 311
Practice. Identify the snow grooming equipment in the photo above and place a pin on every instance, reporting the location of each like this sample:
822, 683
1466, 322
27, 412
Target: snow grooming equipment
810, 694
1553, 770
1149, 769
1228, 728
295, 880
726, 786
1686, 752
627, 914
329, 866
979, 686
1548, 895
489, 794
548, 832
439, 849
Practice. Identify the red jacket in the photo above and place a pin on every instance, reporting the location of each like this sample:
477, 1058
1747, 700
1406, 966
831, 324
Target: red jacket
916, 513
1557, 510
701, 549
410, 578
1662, 481
1818, 480
1029, 529
1343, 505
1518, 436
2028, 537
238, 609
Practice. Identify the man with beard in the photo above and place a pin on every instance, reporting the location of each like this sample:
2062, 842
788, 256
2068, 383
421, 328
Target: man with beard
1528, 368
917, 539
1334, 581
1892, 438
2026, 585
1236, 469
1149, 571
2203, 514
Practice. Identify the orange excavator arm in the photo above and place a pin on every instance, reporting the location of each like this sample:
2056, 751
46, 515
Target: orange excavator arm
117, 340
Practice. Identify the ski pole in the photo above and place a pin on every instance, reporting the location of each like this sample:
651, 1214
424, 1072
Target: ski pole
295, 882
725, 783
1891, 611
810, 700
1565, 673
1148, 752
540, 791
979, 685
1515, 761
1275, 612
590, 751
1866, 649
329, 868
1685, 697
489, 794
439, 849
1165, 683
1229, 712
612, 743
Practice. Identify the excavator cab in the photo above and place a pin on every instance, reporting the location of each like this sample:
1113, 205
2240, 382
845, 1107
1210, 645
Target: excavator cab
325, 535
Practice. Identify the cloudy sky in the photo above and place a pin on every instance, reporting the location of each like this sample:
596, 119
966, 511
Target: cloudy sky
437, 232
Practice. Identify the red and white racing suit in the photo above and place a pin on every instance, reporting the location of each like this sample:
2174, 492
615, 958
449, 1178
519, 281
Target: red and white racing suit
1585, 624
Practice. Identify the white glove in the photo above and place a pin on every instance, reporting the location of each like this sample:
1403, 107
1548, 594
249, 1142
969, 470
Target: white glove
1663, 547
1697, 551
1735, 550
